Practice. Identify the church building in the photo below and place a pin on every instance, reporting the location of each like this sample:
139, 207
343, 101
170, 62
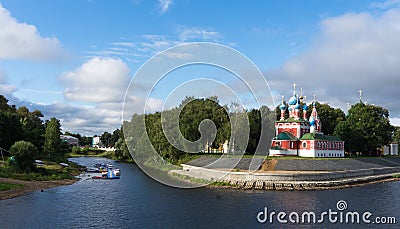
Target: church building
302, 136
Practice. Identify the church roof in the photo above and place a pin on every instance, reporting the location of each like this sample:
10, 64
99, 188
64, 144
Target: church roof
292, 120
318, 136
285, 136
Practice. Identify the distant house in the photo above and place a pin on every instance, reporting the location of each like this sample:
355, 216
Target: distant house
391, 149
72, 141
96, 142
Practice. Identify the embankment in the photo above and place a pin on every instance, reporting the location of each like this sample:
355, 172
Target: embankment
293, 174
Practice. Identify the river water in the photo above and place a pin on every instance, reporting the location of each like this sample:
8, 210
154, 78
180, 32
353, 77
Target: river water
137, 201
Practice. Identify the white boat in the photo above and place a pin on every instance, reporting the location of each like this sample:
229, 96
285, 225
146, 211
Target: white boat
92, 170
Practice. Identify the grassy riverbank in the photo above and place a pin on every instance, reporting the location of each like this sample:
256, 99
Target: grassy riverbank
4, 186
14, 182
13, 188
50, 171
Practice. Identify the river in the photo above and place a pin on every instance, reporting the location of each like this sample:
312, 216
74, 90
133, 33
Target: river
137, 201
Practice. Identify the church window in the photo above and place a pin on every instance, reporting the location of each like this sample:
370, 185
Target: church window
304, 145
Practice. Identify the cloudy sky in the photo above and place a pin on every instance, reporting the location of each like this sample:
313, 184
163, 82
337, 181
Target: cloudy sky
74, 59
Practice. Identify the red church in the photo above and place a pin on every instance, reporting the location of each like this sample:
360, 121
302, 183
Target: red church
302, 136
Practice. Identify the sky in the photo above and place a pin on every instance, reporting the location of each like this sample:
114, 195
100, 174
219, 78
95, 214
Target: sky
74, 60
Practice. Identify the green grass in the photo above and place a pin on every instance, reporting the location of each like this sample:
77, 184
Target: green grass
51, 171
191, 179
222, 183
93, 153
201, 181
7, 186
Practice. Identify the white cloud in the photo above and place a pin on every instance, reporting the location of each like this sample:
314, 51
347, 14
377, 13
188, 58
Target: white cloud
23, 41
146, 46
395, 121
164, 5
197, 33
124, 44
86, 120
97, 80
152, 47
386, 4
89, 120
83, 120
351, 52
140, 105
5, 88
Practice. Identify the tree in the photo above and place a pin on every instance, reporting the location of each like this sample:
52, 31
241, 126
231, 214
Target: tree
85, 141
262, 130
25, 154
197, 110
10, 129
328, 115
116, 135
121, 149
255, 130
105, 138
4, 107
52, 141
396, 135
32, 126
365, 128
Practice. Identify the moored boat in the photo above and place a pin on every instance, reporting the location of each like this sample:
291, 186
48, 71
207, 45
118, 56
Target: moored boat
92, 170
109, 174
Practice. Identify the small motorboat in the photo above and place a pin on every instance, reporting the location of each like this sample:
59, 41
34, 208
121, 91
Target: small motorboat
110, 174
92, 170
99, 165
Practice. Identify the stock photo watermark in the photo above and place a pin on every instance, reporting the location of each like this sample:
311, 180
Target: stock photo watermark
244, 85
338, 215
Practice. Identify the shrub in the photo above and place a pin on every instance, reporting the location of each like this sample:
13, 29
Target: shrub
24, 154
76, 150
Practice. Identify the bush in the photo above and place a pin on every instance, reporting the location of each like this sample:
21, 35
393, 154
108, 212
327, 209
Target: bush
24, 154
76, 150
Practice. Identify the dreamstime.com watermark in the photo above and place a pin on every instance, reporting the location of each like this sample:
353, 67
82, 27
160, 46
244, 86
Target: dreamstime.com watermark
340, 215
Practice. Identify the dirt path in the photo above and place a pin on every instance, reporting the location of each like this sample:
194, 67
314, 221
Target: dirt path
30, 186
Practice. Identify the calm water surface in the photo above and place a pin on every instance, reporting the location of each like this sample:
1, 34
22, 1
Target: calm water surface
136, 201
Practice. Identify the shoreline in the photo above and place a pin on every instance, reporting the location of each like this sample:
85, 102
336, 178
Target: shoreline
286, 185
310, 188
290, 174
30, 186
288, 180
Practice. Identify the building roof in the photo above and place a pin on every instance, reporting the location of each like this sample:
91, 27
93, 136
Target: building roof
292, 120
68, 137
286, 136
319, 136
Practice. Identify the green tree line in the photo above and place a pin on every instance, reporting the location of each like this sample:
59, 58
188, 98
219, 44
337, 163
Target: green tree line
27, 136
196, 117
365, 128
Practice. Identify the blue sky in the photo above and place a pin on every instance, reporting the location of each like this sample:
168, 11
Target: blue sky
74, 59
